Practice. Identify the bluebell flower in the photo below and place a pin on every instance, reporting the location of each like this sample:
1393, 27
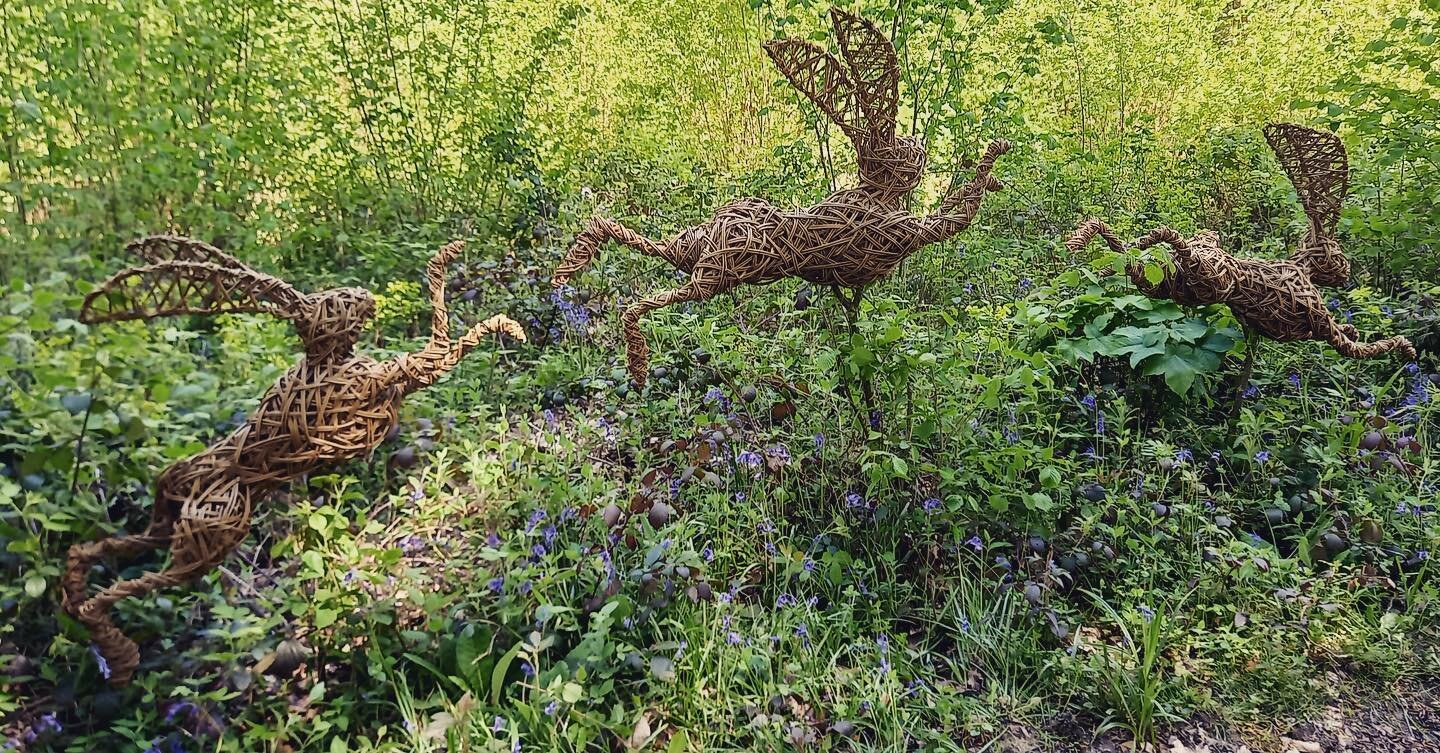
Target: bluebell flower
964, 624
785, 600
497, 584
551, 708
1025, 284
1263, 456
809, 565
707, 553
498, 724
854, 500
1251, 391
875, 416
527, 669
538, 551
803, 634
1088, 401
1294, 380
819, 442
550, 533
535, 518
733, 638
550, 419
931, 505
1147, 613
1183, 455
750, 458
780, 452
975, 543
100, 661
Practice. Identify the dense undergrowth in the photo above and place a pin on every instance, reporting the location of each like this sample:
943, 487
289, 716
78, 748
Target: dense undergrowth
1010, 490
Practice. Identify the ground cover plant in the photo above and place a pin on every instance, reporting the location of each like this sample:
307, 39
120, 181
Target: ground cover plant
1006, 503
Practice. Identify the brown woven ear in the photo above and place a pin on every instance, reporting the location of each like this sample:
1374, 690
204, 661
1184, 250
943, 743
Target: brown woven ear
188, 287
873, 69
156, 249
820, 77
1316, 163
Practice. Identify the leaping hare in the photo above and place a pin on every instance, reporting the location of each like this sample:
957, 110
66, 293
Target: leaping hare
334, 405
1275, 298
850, 239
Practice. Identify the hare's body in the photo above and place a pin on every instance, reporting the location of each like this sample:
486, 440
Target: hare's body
331, 407
317, 415
755, 238
850, 239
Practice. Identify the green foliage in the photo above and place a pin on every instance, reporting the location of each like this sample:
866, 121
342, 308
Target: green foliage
920, 523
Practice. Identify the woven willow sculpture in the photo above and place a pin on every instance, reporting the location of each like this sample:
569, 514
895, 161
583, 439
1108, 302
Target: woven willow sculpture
333, 406
850, 239
1278, 299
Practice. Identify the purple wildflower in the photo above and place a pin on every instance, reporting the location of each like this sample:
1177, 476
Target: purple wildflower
527, 669
100, 661
975, 543
497, 584
551, 708
819, 442
931, 505
1263, 456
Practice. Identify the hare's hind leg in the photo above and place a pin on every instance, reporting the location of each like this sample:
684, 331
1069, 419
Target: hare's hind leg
1345, 339
588, 241
637, 353
214, 518
84, 555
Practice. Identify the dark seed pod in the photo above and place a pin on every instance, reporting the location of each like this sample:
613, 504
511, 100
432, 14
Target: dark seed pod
1224, 521
1037, 544
748, 394
611, 514
288, 656
1372, 440
1160, 510
1092, 492
660, 514
403, 457
1033, 594
1333, 543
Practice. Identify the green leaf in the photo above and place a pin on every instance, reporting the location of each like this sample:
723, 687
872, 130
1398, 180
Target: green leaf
1179, 373
572, 693
502, 668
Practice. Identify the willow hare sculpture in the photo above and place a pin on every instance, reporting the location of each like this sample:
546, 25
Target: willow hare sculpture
850, 239
334, 405
1278, 299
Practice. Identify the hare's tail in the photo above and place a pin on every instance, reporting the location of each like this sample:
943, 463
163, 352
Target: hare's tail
588, 241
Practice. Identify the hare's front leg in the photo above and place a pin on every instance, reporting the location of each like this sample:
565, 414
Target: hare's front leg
588, 241
637, 353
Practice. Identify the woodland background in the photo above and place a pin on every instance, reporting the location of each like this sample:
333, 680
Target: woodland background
833, 573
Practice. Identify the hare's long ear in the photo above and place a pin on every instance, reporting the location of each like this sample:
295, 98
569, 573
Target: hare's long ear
1316, 164
820, 77
188, 287
157, 249
873, 68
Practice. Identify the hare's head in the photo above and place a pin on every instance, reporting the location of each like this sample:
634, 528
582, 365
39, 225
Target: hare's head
860, 96
186, 276
1317, 166
330, 321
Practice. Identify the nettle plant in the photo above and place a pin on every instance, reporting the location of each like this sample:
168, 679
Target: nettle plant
1106, 321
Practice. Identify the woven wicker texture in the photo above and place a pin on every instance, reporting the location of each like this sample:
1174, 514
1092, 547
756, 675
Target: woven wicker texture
1316, 164
850, 239
332, 406
1276, 298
